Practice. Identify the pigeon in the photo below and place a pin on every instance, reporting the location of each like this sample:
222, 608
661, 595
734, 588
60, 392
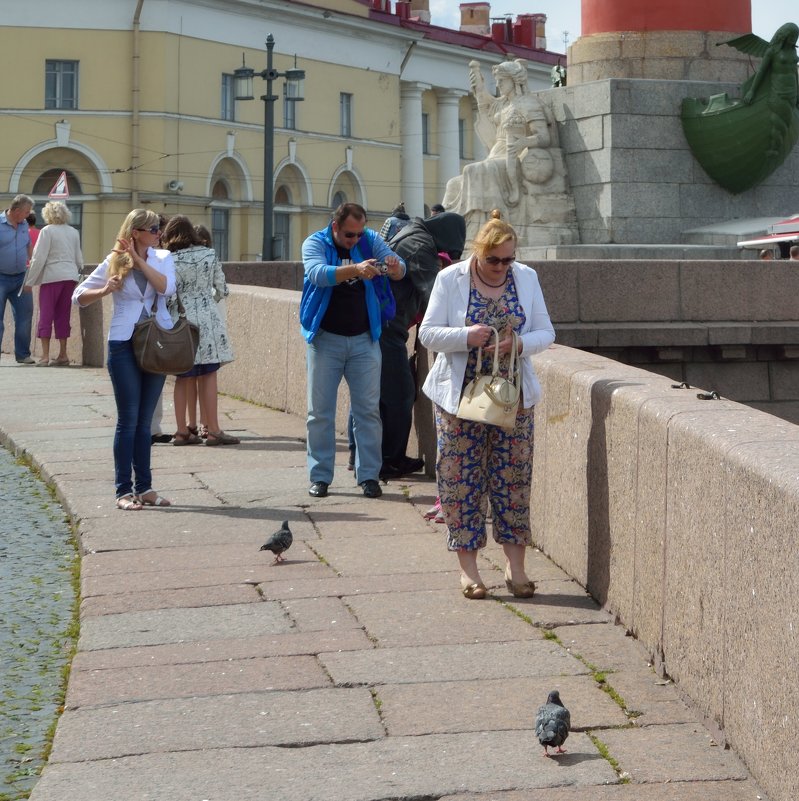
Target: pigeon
280, 541
552, 723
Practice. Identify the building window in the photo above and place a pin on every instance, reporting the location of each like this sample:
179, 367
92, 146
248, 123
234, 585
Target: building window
461, 138
289, 106
345, 103
228, 99
61, 84
282, 236
220, 232
425, 133
339, 198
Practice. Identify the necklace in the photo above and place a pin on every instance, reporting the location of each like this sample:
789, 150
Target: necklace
493, 286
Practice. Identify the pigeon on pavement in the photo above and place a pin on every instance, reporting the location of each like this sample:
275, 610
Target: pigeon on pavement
280, 541
552, 723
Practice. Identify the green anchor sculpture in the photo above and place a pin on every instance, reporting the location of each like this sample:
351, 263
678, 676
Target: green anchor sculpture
739, 143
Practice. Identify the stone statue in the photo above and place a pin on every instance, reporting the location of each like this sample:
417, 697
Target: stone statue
558, 75
523, 175
739, 143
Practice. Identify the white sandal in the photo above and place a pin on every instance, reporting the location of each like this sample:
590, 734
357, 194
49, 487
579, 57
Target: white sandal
156, 501
129, 503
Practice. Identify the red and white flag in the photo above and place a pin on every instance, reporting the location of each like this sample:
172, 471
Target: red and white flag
60, 190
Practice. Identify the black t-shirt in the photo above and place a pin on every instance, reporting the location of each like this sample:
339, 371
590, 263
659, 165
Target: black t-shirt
346, 315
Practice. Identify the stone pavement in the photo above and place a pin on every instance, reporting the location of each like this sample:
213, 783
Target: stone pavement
355, 671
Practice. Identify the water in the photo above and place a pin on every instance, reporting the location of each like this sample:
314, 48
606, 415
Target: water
36, 601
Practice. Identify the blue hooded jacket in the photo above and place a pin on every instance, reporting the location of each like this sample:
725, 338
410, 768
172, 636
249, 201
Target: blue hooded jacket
320, 259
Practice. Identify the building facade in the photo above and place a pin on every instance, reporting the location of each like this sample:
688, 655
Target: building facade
135, 101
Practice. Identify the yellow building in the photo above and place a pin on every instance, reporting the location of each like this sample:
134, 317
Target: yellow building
135, 101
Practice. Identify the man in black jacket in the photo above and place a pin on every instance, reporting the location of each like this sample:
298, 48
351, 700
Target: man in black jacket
418, 244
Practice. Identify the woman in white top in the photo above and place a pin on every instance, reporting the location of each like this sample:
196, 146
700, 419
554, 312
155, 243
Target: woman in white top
136, 274
55, 265
479, 461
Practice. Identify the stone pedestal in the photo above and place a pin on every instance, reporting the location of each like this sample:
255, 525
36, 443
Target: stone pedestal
632, 176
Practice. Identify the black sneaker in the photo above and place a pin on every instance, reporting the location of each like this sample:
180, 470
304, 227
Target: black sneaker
371, 489
318, 489
160, 438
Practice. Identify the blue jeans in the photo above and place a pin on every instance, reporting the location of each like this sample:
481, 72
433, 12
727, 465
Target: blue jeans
136, 394
357, 360
22, 309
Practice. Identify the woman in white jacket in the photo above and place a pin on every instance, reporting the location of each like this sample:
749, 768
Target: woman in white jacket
56, 264
138, 275
477, 460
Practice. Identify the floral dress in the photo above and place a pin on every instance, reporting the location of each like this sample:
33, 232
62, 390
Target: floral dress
477, 461
200, 281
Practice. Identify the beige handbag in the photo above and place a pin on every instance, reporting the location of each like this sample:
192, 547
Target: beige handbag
491, 398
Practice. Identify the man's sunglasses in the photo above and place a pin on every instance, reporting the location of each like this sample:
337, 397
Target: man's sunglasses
352, 235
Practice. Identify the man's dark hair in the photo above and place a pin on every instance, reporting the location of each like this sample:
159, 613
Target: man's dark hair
794, 251
348, 210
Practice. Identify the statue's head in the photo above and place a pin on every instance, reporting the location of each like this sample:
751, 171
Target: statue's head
516, 70
786, 34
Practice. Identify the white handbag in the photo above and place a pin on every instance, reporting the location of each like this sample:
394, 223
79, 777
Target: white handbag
493, 399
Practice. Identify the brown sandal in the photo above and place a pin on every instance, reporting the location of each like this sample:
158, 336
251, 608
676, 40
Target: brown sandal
187, 438
221, 438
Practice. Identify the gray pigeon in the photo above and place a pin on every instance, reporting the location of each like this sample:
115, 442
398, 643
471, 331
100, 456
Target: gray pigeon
552, 723
280, 541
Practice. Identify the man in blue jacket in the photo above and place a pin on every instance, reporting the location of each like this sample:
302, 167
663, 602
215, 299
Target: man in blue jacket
345, 301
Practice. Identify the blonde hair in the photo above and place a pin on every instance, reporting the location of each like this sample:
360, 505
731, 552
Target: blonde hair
493, 234
122, 263
56, 213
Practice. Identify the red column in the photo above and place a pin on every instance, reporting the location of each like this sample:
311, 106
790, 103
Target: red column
604, 16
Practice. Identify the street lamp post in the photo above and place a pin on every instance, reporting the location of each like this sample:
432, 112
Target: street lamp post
243, 77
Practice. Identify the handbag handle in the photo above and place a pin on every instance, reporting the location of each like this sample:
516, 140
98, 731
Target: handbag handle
181, 309
512, 366
495, 370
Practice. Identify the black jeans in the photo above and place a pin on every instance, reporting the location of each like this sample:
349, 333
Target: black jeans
397, 396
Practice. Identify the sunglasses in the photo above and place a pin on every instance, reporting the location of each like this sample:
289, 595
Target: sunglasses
352, 235
495, 260
153, 229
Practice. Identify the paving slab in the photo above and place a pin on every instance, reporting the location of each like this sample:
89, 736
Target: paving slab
435, 617
159, 626
89, 688
679, 753
656, 699
294, 643
607, 647
245, 720
492, 704
202, 577
169, 599
490, 660
341, 586
408, 553
320, 614
391, 768
195, 557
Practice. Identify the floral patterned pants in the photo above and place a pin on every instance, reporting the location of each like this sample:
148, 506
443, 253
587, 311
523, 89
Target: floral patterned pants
477, 462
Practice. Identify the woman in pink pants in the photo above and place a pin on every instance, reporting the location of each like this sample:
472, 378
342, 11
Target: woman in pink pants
55, 265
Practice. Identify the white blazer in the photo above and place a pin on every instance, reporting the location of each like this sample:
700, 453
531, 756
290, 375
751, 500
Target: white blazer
130, 301
444, 330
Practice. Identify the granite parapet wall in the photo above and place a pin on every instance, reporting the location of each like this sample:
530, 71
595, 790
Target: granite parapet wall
680, 516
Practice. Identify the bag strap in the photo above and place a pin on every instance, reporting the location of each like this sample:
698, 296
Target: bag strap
181, 309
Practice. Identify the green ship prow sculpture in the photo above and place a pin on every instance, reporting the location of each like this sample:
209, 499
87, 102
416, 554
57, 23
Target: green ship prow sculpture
739, 143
